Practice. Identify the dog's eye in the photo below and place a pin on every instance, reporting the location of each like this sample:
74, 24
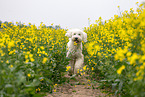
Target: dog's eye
79, 34
74, 33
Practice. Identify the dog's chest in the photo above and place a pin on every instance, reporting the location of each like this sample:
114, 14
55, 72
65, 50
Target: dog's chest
75, 50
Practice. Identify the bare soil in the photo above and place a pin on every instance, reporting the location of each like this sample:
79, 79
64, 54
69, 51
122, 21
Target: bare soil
80, 86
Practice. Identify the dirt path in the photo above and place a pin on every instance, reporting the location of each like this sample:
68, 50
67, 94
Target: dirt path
79, 86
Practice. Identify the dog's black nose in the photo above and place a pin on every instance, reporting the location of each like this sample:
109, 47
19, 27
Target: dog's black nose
76, 38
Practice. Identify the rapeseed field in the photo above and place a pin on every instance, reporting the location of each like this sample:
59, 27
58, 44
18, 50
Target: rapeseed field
33, 60
116, 48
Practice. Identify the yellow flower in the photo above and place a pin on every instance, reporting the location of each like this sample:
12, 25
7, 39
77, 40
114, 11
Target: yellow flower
92, 68
54, 90
28, 75
137, 74
11, 52
30, 55
32, 59
41, 79
84, 68
99, 54
7, 61
136, 2
38, 89
138, 78
55, 85
120, 55
11, 44
75, 43
42, 47
81, 73
27, 60
52, 24
44, 60
67, 68
128, 54
120, 69
88, 81
11, 66
26, 56
133, 58
78, 71
89, 84
142, 67
140, 5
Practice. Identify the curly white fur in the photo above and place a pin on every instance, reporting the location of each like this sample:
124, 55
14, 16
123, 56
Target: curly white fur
74, 47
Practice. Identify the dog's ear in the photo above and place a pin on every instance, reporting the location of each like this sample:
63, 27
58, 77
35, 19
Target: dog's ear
84, 37
68, 34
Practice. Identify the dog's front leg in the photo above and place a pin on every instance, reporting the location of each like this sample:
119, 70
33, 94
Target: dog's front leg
78, 64
71, 63
69, 54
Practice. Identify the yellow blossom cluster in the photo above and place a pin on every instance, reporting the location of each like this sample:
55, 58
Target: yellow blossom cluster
38, 89
68, 68
117, 46
121, 37
28, 53
120, 69
28, 57
44, 60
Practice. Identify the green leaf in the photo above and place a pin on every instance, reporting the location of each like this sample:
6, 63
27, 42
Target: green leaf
35, 82
114, 85
48, 81
20, 77
117, 80
120, 85
41, 78
8, 86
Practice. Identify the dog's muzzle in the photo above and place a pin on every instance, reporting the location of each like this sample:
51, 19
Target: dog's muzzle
76, 40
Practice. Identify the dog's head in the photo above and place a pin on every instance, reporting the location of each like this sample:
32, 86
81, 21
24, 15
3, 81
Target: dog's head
77, 35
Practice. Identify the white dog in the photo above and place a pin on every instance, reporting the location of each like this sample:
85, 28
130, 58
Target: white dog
74, 47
